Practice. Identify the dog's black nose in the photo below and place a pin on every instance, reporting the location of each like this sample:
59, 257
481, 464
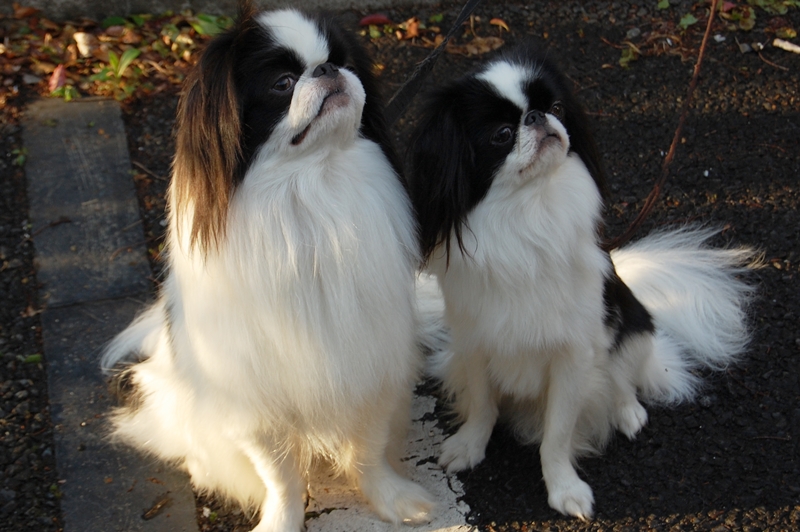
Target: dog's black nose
535, 118
325, 69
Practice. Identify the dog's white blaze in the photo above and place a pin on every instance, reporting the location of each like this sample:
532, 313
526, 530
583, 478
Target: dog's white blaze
292, 30
508, 80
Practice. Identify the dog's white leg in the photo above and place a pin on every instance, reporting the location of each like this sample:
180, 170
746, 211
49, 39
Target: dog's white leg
476, 402
566, 492
394, 498
626, 362
629, 415
283, 509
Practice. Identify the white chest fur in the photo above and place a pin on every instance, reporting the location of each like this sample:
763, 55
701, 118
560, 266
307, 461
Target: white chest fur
532, 276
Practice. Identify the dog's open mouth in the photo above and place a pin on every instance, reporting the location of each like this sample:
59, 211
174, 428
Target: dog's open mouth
335, 98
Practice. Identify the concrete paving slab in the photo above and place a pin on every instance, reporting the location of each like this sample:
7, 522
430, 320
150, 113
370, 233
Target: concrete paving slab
83, 209
108, 488
91, 258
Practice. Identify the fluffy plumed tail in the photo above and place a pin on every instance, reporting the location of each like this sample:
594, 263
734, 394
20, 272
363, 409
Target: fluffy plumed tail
137, 339
698, 300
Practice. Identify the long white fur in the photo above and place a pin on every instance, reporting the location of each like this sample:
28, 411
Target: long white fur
524, 305
295, 339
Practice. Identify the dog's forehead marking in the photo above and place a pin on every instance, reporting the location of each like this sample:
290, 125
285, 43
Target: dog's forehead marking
508, 81
294, 31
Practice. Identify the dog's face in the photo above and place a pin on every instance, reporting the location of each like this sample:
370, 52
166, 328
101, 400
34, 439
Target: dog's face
278, 84
297, 85
513, 121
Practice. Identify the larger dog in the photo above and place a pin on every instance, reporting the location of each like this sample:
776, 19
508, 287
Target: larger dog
546, 327
285, 329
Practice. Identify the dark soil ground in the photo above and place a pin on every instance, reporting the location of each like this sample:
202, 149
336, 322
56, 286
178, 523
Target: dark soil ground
730, 460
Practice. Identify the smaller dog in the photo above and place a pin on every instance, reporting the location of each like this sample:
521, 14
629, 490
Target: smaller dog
286, 328
546, 326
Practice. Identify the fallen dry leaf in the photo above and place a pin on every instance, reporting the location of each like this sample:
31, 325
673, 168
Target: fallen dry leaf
500, 23
478, 46
24, 12
57, 79
375, 20
130, 36
86, 42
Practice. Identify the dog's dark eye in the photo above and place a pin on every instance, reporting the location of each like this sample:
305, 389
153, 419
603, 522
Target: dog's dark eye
284, 84
557, 110
502, 136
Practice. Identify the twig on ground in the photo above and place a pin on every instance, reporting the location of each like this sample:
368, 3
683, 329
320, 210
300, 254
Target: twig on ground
148, 171
656, 192
62, 220
770, 63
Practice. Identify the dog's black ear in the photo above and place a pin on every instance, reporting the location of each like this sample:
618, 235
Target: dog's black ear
441, 174
208, 147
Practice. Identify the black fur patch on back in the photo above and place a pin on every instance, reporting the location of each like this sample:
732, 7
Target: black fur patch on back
625, 315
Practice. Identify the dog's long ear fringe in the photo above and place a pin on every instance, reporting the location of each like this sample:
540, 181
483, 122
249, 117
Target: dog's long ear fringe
441, 162
208, 149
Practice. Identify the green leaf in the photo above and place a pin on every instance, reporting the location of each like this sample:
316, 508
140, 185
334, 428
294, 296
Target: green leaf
209, 24
70, 93
439, 17
224, 22
687, 20
628, 55
663, 4
127, 58
113, 60
20, 156
113, 21
773, 7
33, 359
374, 32
103, 75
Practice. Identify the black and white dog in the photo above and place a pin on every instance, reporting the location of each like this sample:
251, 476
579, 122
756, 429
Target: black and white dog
546, 326
286, 328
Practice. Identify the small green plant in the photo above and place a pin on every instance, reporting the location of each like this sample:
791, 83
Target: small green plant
113, 75
687, 20
20, 156
68, 92
120, 64
631, 53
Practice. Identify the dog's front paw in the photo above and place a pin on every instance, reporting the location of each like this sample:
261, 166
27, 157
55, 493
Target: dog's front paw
278, 524
462, 451
630, 419
398, 500
574, 498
